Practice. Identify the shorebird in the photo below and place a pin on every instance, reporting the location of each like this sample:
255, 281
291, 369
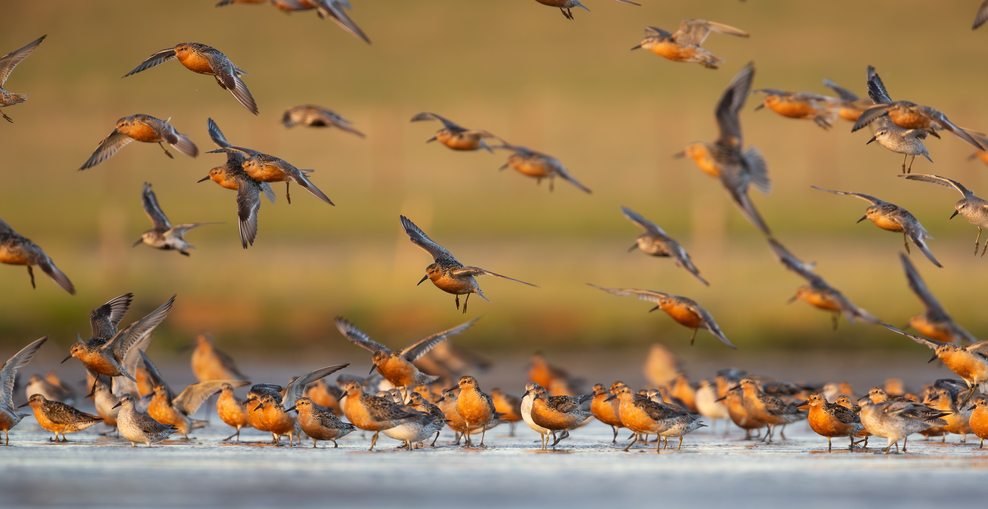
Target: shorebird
724, 158
896, 420
708, 406
547, 375
957, 414
981, 16
274, 407
232, 176
332, 9
682, 425
935, 322
59, 418
968, 362
119, 355
447, 273
318, 423
397, 366
908, 142
893, 218
232, 410
418, 402
768, 409
538, 166
371, 413
325, 395
818, 293
38, 384
266, 168
832, 420
137, 426
656, 242
606, 411
532, 389
143, 128
566, 6
508, 406
208, 60
475, 407
734, 396
8, 414
685, 311
684, 45
209, 363
850, 106
7, 64
18, 250
106, 402
454, 136
415, 430
970, 207
802, 105
979, 418
558, 413
644, 416
105, 319
311, 115
163, 235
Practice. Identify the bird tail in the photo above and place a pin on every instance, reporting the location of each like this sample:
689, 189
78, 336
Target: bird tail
758, 169
185, 146
18, 98
301, 180
57, 276
198, 423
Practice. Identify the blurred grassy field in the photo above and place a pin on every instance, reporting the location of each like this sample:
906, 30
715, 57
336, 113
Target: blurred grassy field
520, 70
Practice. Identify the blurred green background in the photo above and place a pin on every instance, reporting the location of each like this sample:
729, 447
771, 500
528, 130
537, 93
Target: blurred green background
520, 70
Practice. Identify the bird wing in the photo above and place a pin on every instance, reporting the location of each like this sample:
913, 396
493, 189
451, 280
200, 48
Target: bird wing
932, 343
870, 114
709, 323
329, 9
912, 227
9, 61
730, 104
155, 376
190, 399
106, 148
648, 295
876, 88
477, 272
448, 124
656, 31
248, 205
844, 93
153, 210
139, 331
794, 264
980, 347
870, 199
359, 337
981, 16
104, 319
645, 224
180, 229
564, 173
940, 181
945, 123
156, 58
736, 180
420, 239
216, 135
695, 31
412, 352
9, 371
295, 389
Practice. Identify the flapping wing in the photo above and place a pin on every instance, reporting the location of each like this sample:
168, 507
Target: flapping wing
932, 343
945, 123
695, 31
981, 16
870, 115
656, 31
182, 228
9, 371
358, 337
194, 395
448, 124
918, 287
295, 389
420, 239
140, 331
912, 227
412, 352
940, 181
477, 272
844, 93
248, 205
216, 135
105, 319
106, 148
730, 104
240, 92
648, 295
645, 224
157, 58
876, 88
794, 264
298, 176
870, 199
153, 210
710, 324
564, 173
155, 376
9, 61
332, 10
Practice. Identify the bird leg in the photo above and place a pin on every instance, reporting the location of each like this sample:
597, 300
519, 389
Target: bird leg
782, 432
551, 180
985, 248
905, 241
373, 440
458, 297
632, 443
5, 117
910, 170
693, 337
482, 433
467, 298
830, 446
835, 318
906, 439
30, 272
433, 440
904, 162
167, 153
288, 191
680, 442
615, 434
977, 241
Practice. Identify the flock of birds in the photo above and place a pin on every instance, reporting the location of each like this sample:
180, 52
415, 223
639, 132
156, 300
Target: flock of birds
406, 402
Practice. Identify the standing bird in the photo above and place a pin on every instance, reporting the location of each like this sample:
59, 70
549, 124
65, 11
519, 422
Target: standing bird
803, 105
320, 424
539, 166
507, 405
607, 411
970, 207
232, 176
8, 414
832, 420
137, 426
396, 366
18, 250
178, 410
60, 418
656, 242
372, 413
558, 413
7, 64
209, 363
141, 128
566, 6
724, 158
684, 45
454, 136
231, 410
204, 60
475, 407
274, 408
265, 168
311, 115
685, 311
818, 293
896, 420
447, 273
163, 236
768, 409
935, 322
893, 218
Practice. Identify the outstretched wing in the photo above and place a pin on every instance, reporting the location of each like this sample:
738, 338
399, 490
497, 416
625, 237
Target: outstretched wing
157, 58
794, 264
295, 389
138, 332
981, 16
248, 205
190, 399
918, 287
695, 31
10, 60
420, 239
358, 337
9, 371
648, 295
730, 104
870, 199
477, 272
105, 319
412, 352
709, 323
918, 234
448, 124
932, 343
106, 148
153, 210
940, 181
844, 93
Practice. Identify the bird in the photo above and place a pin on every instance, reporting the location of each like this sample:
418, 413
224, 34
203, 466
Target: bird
682, 425
143, 128
684, 44
818, 293
724, 158
332, 9
707, 404
981, 16
557, 413
532, 389
475, 407
163, 235
456, 137
970, 207
656, 242
209, 363
508, 406
832, 420
850, 107
9, 417
203, 59
273, 410
16, 249
606, 411
105, 319
7, 64
447, 273
767, 408
803, 105
311, 115
908, 142
232, 410
413, 430
893, 218
644, 416
38, 384
396, 366
418, 402
106, 402
232, 176
935, 323
137, 426
968, 362
372, 413
734, 397
59, 418
979, 418
266, 168
905, 114
538, 165
566, 6
318, 423
896, 420
684, 310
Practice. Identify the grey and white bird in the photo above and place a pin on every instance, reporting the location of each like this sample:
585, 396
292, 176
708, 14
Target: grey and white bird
311, 115
7, 64
896, 420
656, 242
9, 417
137, 426
164, 236
970, 207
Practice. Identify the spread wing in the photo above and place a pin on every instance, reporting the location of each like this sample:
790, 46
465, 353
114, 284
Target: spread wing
730, 104
448, 124
153, 210
420, 239
695, 31
155, 59
216, 135
844, 93
140, 332
477, 272
295, 389
564, 173
9, 61
106, 148
649, 227
412, 352
876, 88
154, 375
794, 264
332, 9
918, 287
358, 337
656, 31
940, 181
869, 115
105, 319
870, 199
648, 295
194, 395
981, 16
932, 343
9, 371
912, 227
710, 324
248, 205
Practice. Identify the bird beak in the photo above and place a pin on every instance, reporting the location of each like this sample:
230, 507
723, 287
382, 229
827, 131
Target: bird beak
203, 179
954, 214
972, 408
679, 155
720, 399
423, 280
373, 366
793, 299
801, 403
139, 241
636, 47
633, 247
290, 409
25, 404
526, 394
871, 140
258, 407
187, 347
932, 358
653, 309
65, 359
612, 396
115, 406
862, 219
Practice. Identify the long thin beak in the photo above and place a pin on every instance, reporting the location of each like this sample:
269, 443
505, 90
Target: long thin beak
423, 280
636, 47
65, 359
720, 399
139, 242
871, 140
793, 299
612, 396
258, 407
679, 155
115, 406
203, 179
290, 409
526, 394
862, 219
954, 214
972, 408
935, 356
653, 309
633, 247
186, 348
25, 404
801, 403
373, 367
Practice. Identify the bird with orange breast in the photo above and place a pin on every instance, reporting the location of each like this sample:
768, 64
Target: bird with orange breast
832, 420
684, 44
209, 363
607, 411
231, 410
475, 407
801, 105
456, 137
508, 406
273, 408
